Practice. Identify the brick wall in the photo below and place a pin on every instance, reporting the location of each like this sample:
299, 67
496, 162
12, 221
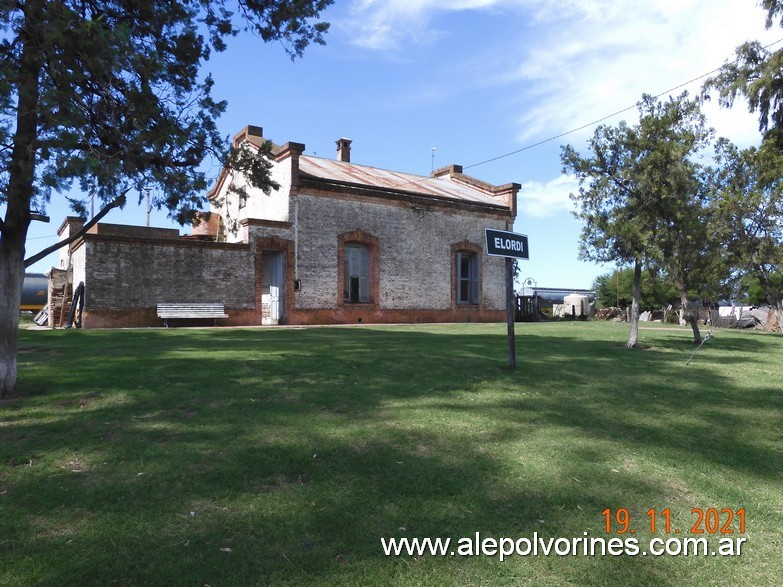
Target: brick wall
128, 270
136, 273
414, 251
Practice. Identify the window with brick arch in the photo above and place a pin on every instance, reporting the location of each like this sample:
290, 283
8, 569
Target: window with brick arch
467, 278
358, 269
356, 273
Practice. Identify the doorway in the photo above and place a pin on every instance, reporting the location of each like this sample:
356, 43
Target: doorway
272, 287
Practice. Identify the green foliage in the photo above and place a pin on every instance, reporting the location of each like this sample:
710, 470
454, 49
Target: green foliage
757, 75
774, 9
747, 204
751, 291
119, 98
609, 192
640, 189
682, 243
747, 197
109, 95
642, 196
657, 290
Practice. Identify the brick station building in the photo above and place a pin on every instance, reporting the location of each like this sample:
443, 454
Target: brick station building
336, 243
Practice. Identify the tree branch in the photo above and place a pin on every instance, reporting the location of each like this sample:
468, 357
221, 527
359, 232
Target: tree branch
120, 201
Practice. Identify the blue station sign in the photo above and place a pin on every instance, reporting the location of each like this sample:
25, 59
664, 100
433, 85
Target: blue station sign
501, 243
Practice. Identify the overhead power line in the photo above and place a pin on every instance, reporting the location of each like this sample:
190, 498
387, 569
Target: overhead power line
608, 116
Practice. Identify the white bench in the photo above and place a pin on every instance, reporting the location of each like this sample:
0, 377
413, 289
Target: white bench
191, 311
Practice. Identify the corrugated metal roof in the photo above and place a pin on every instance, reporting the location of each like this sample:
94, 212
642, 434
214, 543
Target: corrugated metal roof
362, 175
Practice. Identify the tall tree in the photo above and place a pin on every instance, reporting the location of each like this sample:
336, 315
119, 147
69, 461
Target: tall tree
757, 75
642, 199
611, 192
748, 198
109, 95
675, 131
748, 205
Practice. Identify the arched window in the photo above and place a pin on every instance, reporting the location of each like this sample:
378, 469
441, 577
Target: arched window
467, 278
356, 274
358, 271
466, 274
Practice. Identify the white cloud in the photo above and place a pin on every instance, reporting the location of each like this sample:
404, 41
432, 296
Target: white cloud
385, 24
544, 199
546, 67
589, 67
584, 59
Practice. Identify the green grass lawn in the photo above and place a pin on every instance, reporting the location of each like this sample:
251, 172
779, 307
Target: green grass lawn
283, 456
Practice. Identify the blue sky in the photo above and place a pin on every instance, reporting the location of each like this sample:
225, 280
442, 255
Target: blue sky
477, 79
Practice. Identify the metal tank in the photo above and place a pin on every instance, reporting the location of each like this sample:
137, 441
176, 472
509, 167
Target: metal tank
34, 291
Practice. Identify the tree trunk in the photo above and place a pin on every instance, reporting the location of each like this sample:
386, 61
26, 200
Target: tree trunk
633, 340
691, 316
779, 311
21, 178
11, 276
689, 312
776, 302
772, 292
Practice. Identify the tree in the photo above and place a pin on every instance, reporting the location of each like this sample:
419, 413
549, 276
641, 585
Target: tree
109, 95
638, 202
644, 199
751, 291
616, 289
757, 75
748, 208
676, 132
747, 199
612, 232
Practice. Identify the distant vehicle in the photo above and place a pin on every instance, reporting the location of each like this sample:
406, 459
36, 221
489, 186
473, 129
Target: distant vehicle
34, 292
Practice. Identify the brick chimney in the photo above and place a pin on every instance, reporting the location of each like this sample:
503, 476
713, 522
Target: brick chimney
344, 150
246, 133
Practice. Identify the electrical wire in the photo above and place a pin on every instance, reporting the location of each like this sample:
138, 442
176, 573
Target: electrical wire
594, 122
608, 116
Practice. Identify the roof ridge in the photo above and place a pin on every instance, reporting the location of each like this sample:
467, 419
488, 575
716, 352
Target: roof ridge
338, 162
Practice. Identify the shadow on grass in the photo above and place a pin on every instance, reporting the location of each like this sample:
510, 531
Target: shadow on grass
283, 456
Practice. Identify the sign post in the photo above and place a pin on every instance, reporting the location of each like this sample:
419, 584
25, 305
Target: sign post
511, 246
511, 313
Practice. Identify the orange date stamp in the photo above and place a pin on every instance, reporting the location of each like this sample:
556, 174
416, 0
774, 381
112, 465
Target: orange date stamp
703, 521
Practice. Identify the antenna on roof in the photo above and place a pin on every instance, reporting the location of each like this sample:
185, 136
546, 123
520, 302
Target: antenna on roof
147, 189
433, 158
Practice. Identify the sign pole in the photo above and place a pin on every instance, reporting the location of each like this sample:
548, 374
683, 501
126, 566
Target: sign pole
511, 246
511, 313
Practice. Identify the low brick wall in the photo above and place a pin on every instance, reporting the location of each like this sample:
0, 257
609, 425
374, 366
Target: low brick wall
384, 316
126, 276
140, 318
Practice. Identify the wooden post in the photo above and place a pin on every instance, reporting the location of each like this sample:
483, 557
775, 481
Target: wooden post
510, 307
